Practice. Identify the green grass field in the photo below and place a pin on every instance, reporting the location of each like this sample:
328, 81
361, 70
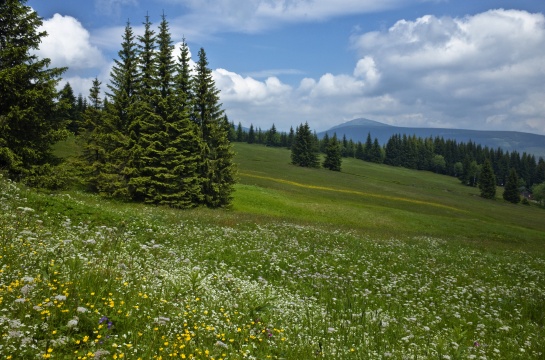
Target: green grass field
374, 262
381, 201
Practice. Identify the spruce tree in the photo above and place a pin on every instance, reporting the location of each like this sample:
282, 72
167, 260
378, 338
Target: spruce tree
511, 191
324, 143
360, 153
251, 134
29, 122
184, 90
240, 133
368, 148
304, 152
376, 152
487, 181
217, 169
539, 175
163, 156
68, 107
291, 138
273, 138
120, 115
182, 157
333, 157
92, 135
124, 81
145, 131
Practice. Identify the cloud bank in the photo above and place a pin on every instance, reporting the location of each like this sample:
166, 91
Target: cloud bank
257, 15
479, 72
484, 71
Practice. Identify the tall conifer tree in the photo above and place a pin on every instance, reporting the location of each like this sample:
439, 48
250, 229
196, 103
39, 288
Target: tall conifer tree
29, 122
217, 170
96, 135
304, 152
487, 181
145, 131
185, 135
68, 107
178, 184
119, 116
333, 157
511, 192
124, 81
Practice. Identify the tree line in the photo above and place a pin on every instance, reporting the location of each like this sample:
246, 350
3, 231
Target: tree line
159, 134
473, 164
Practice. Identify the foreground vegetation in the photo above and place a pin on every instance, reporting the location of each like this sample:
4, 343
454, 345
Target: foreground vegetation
84, 278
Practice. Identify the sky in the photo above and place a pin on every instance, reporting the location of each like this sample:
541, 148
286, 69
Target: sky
417, 63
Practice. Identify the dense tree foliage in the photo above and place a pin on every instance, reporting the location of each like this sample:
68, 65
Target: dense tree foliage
487, 181
29, 111
511, 192
162, 137
217, 168
333, 159
304, 151
538, 192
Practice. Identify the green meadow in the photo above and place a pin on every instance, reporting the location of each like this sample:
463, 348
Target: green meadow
373, 262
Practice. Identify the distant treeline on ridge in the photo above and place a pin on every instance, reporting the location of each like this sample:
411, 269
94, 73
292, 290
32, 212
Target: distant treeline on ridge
463, 160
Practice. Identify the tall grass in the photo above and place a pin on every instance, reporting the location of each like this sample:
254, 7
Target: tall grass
84, 278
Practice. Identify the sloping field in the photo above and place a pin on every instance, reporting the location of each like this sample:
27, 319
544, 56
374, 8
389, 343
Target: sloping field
382, 201
370, 263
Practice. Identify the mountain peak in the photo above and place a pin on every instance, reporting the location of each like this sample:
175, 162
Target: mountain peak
360, 122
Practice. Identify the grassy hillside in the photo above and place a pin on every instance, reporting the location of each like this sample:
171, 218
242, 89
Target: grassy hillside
371, 263
381, 201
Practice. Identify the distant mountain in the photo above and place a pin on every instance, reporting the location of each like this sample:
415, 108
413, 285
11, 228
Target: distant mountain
361, 122
358, 129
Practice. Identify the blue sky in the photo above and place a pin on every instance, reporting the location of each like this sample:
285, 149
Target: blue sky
421, 63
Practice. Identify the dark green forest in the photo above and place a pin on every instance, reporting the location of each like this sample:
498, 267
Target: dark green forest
159, 135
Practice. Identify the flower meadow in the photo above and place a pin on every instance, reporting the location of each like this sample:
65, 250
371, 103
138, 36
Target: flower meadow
161, 284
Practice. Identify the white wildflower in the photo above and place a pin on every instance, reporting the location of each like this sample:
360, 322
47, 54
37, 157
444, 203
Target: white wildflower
73, 323
15, 324
81, 309
26, 289
161, 320
100, 353
15, 334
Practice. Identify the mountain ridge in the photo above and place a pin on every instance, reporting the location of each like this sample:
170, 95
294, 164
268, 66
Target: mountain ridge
357, 130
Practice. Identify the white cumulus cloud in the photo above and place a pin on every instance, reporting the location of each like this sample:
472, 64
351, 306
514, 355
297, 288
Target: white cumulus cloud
68, 44
484, 71
236, 88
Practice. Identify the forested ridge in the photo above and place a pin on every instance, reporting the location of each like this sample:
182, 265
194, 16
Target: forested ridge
464, 160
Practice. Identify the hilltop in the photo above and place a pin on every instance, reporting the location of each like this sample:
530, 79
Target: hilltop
358, 129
